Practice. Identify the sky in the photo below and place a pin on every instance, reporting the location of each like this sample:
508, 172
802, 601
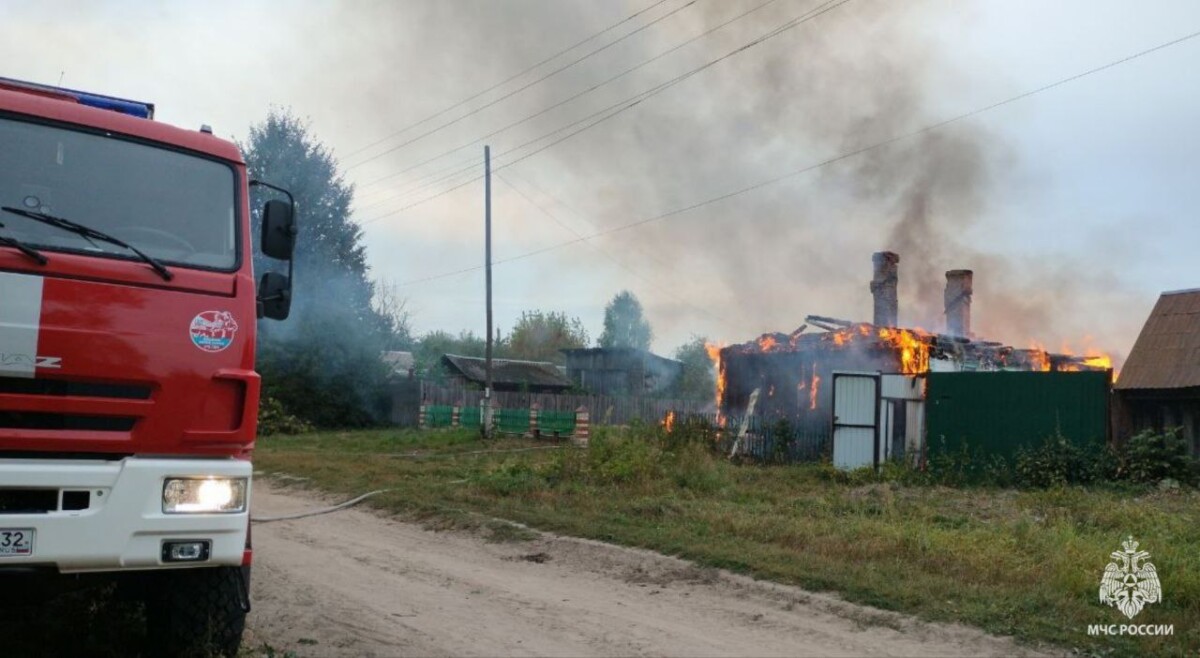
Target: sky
1075, 206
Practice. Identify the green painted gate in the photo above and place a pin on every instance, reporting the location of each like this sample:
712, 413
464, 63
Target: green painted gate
997, 413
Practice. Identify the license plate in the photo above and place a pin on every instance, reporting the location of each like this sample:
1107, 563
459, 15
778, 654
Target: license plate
16, 542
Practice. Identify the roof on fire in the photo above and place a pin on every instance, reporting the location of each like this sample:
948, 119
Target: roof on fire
508, 371
1167, 352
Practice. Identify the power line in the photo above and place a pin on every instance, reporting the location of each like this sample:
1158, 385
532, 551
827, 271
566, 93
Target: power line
506, 80
574, 96
633, 100
623, 106
626, 104
524, 87
470, 165
620, 263
562, 204
829, 161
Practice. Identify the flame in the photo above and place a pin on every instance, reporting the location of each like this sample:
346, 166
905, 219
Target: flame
669, 421
766, 343
1039, 358
911, 344
812, 392
714, 355
914, 350
1094, 357
1089, 358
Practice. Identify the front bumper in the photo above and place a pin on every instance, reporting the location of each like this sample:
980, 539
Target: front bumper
124, 526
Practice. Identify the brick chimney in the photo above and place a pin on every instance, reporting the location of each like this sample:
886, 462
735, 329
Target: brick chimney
958, 302
883, 288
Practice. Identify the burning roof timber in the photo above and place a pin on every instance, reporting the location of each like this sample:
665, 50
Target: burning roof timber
789, 368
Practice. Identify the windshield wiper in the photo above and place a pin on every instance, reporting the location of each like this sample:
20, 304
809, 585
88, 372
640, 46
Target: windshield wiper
91, 233
23, 248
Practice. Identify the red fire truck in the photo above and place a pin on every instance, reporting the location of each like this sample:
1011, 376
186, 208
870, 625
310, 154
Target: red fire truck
128, 397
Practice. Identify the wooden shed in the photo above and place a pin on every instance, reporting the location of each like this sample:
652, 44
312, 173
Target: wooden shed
508, 374
1159, 387
621, 371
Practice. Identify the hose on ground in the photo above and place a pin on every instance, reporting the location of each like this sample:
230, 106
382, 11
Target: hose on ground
301, 515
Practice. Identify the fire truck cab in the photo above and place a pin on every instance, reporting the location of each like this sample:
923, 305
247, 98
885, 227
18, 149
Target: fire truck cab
128, 396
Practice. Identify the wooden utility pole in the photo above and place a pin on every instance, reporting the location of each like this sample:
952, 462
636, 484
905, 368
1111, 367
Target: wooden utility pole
487, 254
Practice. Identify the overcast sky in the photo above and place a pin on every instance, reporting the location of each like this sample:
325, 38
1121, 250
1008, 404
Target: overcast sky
1075, 206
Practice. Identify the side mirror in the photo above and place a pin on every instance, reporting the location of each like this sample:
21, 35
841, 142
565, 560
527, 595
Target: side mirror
274, 296
278, 230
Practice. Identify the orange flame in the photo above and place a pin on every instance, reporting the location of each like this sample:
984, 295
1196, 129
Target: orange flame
766, 343
914, 351
1039, 358
812, 392
912, 344
669, 421
714, 355
1095, 359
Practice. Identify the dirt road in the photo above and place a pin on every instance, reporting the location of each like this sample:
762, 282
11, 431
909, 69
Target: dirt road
355, 583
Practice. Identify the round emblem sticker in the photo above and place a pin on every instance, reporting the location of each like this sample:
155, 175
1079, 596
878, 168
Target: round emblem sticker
213, 331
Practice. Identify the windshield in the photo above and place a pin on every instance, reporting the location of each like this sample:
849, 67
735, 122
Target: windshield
176, 207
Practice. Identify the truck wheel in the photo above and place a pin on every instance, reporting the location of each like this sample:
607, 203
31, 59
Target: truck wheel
198, 612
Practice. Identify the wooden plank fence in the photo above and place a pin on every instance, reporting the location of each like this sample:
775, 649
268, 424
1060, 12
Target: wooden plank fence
766, 439
604, 409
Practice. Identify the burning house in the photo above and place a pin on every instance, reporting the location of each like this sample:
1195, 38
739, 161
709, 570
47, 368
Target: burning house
794, 372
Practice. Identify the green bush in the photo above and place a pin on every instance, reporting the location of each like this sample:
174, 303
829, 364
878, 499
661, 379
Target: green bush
1057, 462
618, 460
1150, 457
956, 468
513, 477
274, 419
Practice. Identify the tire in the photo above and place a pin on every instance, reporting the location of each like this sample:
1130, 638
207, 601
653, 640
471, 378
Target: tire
197, 612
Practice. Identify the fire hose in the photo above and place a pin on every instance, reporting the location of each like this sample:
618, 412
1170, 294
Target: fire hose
301, 515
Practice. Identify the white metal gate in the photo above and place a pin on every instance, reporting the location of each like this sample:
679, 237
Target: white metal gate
855, 420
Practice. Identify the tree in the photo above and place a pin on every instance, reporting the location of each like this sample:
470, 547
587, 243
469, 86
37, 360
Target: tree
322, 363
698, 381
395, 316
430, 348
539, 336
624, 324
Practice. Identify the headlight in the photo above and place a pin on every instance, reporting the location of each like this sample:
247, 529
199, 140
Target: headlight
204, 495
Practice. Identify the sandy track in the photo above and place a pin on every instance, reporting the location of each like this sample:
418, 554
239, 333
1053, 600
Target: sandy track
355, 583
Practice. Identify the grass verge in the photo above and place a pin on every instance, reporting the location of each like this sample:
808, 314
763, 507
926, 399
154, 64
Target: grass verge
1020, 563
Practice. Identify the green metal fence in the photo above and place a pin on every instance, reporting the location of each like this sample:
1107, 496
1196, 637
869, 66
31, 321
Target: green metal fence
439, 416
511, 421
561, 423
997, 413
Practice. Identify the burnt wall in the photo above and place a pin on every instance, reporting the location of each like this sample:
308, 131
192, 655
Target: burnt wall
785, 380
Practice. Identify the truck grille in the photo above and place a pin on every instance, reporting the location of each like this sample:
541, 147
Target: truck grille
62, 388
24, 501
39, 501
28, 420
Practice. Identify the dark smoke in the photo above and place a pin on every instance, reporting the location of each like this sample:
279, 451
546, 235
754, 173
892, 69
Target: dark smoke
861, 74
